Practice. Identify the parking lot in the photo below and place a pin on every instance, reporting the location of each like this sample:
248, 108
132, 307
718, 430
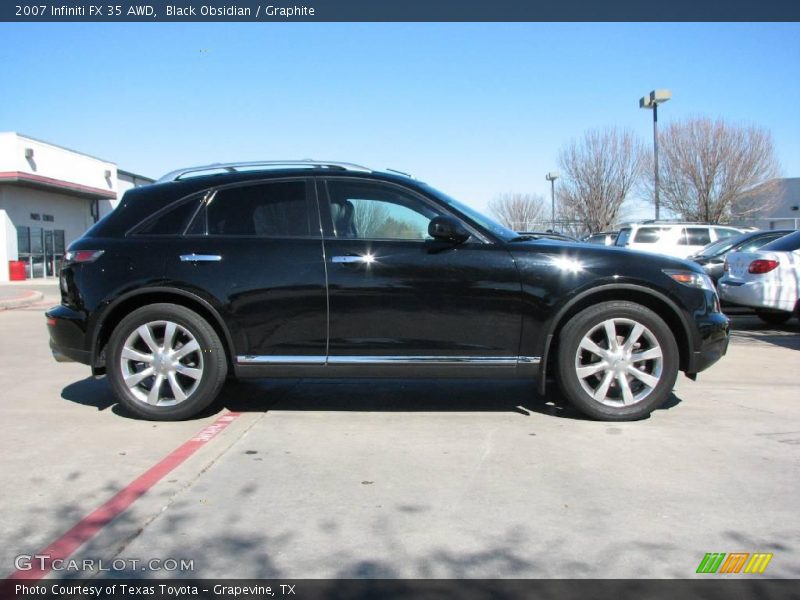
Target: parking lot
429, 479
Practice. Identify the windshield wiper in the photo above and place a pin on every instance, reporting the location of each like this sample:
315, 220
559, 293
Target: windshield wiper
524, 238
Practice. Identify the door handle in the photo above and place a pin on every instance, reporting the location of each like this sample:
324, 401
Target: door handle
200, 257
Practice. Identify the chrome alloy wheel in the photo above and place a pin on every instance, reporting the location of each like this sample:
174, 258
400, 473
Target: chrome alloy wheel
619, 362
162, 363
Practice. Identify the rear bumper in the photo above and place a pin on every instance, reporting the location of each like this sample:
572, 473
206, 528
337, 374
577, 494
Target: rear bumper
67, 337
756, 294
714, 330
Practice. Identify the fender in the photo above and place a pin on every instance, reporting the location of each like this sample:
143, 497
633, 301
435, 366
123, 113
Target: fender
158, 290
554, 322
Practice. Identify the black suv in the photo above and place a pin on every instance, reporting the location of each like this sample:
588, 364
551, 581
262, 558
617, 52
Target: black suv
312, 269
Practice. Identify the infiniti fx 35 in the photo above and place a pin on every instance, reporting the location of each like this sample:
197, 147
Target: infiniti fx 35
330, 270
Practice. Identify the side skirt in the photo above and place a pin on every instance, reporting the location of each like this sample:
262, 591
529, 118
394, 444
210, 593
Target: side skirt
387, 366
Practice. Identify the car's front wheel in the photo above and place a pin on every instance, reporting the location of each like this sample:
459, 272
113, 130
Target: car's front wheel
165, 362
617, 361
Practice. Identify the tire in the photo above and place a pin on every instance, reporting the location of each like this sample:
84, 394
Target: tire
599, 390
190, 375
777, 317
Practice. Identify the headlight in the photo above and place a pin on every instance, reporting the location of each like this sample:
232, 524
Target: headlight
692, 279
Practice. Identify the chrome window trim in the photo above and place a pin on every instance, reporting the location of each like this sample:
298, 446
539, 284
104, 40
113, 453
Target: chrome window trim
252, 359
488, 361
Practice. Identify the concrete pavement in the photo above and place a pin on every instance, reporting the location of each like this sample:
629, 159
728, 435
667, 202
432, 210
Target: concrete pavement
411, 479
21, 294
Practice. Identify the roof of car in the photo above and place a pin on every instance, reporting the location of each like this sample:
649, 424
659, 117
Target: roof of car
653, 223
194, 182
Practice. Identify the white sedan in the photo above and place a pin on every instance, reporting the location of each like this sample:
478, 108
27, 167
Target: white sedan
767, 280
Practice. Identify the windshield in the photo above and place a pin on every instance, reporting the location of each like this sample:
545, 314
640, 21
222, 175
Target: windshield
721, 246
504, 233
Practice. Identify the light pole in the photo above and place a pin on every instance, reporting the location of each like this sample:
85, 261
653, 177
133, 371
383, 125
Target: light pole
652, 100
551, 177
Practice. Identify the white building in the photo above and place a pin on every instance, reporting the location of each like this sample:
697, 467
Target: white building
780, 202
49, 196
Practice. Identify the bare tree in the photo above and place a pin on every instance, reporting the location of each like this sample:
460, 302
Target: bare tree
519, 212
598, 173
369, 217
569, 222
709, 169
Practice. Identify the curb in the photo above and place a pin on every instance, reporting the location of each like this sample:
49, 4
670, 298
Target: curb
26, 298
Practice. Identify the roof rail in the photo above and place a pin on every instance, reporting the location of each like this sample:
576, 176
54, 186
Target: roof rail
263, 164
672, 221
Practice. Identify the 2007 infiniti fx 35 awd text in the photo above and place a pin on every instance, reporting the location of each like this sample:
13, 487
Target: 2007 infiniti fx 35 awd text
321, 269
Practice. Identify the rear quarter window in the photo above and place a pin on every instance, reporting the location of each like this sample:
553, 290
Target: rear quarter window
172, 221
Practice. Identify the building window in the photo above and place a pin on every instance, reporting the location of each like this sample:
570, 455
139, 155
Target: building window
48, 218
23, 240
42, 250
35, 216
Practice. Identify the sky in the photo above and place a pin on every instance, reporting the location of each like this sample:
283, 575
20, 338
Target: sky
473, 109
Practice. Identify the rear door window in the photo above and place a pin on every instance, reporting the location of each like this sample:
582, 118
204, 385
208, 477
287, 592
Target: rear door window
264, 209
695, 236
650, 235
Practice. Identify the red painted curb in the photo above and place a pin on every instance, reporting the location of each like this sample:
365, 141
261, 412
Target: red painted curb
27, 298
90, 525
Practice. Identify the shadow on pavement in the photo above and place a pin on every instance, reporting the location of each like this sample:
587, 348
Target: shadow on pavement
749, 329
363, 395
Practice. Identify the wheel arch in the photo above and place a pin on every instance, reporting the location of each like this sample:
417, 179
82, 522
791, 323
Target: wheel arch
131, 301
652, 299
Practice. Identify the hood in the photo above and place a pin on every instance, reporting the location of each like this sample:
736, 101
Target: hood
594, 254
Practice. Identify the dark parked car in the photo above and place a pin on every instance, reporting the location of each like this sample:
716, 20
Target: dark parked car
316, 269
606, 238
712, 257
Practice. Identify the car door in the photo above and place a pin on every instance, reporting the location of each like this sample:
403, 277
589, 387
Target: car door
398, 295
254, 251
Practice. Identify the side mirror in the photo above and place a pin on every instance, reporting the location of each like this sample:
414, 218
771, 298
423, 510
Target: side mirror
447, 229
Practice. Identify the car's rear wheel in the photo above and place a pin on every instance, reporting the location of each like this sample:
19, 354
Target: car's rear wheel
165, 362
617, 361
773, 317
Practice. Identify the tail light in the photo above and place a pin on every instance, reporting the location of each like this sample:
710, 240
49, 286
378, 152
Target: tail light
757, 267
82, 256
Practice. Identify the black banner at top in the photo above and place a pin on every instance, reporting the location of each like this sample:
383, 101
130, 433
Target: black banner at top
397, 10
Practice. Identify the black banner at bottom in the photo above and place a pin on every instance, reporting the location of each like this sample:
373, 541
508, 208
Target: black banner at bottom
351, 589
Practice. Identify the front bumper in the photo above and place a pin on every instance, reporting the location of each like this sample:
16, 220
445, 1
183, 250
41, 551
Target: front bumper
714, 330
67, 335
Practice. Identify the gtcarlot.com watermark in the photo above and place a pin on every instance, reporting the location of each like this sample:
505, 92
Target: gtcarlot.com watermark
31, 562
